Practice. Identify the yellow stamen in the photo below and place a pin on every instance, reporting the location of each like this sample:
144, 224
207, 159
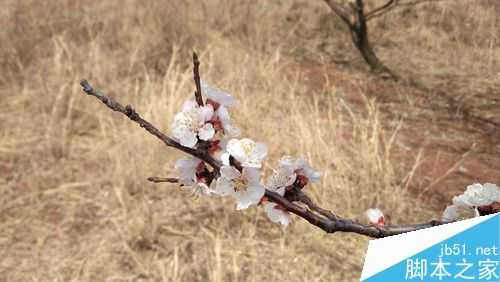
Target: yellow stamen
247, 148
240, 185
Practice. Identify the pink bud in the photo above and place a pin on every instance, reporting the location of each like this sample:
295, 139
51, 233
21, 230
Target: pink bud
375, 216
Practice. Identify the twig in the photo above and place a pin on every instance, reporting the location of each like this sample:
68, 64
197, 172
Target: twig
297, 195
156, 179
196, 76
341, 12
346, 225
384, 10
380, 8
133, 115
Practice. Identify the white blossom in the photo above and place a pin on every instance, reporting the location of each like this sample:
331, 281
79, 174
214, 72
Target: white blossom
246, 151
478, 195
217, 149
187, 169
220, 101
277, 214
298, 168
222, 98
277, 182
375, 216
222, 115
459, 212
192, 123
244, 186
282, 177
303, 168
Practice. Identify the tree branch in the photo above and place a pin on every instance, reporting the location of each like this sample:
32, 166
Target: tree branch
156, 179
383, 7
379, 12
337, 224
340, 12
134, 116
196, 76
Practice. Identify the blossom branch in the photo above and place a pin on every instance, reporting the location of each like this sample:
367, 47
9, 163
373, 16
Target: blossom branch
134, 116
337, 224
239, 171
327, 222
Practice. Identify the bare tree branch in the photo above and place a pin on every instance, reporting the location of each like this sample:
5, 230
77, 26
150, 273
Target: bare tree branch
383, 7
340, 11
379, 12
156, 179
196, 76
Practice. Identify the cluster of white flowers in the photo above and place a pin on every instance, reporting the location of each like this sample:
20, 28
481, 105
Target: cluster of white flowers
466, 205
211, 125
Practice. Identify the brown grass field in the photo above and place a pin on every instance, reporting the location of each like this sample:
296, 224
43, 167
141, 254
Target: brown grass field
75, 204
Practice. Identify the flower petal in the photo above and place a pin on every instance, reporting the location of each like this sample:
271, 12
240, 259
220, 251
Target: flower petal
217, 95
450, 213
260, 151
235, 148
375, 216
231, 131
251, 196
276, 215
189, 105
225, 158
206, 132
202, 190
459, 212
188, 139
223, 115
252, 175
224, 187
207, 112
229, 172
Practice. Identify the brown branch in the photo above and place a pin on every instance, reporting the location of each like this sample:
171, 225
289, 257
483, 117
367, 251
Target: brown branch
134, 116
375, 14
382, 7
345, 225
196, 76
156, 179
297, 195
340, 12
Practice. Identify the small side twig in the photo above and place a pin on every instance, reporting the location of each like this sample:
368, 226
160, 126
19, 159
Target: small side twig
297, 195
197, 82
156, 179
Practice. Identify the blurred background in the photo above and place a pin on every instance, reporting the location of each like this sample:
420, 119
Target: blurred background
75, 204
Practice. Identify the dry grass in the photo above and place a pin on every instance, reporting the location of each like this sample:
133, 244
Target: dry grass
75, 203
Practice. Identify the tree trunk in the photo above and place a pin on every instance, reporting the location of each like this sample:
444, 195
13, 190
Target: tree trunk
365, 48
359, 35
